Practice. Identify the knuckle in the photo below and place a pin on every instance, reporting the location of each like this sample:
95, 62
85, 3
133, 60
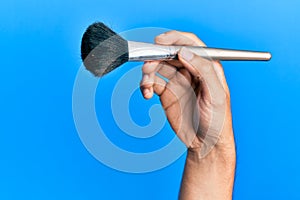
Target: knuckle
191, 35
147, 68
172, 32
146, 84
157, 39
195, 39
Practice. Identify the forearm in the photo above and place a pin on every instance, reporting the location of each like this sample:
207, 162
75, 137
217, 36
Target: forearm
210, 177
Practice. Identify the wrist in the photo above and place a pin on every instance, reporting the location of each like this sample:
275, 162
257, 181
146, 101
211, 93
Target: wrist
211, 176
224, 148
221, 155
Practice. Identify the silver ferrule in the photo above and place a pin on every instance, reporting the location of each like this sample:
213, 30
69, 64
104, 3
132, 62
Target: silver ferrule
139, 51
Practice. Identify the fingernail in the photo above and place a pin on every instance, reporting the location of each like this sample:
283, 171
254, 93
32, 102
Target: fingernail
186, 54
146, 91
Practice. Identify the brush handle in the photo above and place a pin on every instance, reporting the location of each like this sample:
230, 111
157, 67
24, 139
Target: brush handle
230, 54
139, 51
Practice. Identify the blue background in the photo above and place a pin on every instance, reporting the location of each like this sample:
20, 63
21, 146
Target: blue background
41, 154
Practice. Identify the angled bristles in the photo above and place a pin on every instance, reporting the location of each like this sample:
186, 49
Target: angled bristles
102, 50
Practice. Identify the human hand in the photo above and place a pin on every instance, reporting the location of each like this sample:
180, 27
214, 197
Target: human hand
195, 96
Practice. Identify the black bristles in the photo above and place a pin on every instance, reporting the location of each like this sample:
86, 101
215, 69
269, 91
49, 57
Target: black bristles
102, 50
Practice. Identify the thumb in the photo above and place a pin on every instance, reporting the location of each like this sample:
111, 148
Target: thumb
203, 70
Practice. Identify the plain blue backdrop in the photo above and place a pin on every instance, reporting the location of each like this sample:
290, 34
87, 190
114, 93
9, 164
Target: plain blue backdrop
41, 155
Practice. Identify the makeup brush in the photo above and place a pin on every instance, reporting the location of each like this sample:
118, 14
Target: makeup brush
103, 50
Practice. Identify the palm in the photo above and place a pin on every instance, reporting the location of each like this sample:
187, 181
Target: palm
187, 101
181, 100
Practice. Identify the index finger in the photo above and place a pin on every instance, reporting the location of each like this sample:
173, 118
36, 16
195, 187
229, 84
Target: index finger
179, 38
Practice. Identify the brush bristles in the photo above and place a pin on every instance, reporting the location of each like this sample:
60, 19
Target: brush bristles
102, 50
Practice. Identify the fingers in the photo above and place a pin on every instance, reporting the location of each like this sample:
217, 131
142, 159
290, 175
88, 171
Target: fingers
159, 85
186, 38
210, 72
166, 70
153, 78
178, 38
149, 70
203, 70
146, 85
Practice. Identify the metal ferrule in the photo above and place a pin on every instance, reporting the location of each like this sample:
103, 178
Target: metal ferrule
139, 51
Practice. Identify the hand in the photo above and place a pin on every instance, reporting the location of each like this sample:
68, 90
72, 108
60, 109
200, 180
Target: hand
195, 97
196, 101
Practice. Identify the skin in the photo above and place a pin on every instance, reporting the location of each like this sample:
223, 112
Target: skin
196, 99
